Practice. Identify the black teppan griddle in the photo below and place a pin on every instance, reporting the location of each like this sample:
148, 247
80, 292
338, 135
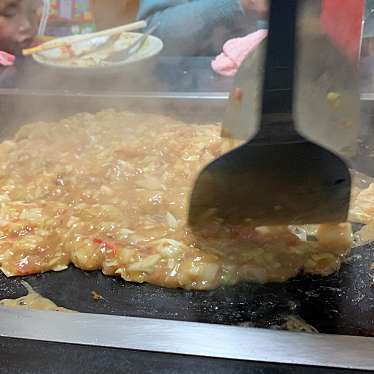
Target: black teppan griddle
339, 304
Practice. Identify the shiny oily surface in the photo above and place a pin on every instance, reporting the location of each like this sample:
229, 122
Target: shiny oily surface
110, 191
32, 301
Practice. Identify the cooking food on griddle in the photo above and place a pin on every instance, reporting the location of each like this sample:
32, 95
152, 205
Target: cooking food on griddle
110, 191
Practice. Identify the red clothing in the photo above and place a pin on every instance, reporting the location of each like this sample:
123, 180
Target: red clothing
342, 20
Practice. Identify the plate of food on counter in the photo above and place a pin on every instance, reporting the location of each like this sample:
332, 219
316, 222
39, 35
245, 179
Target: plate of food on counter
103, 50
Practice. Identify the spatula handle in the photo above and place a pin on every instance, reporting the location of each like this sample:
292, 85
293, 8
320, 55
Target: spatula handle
280, 60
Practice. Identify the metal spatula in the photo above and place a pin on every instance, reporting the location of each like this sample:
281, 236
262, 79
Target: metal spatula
278, 177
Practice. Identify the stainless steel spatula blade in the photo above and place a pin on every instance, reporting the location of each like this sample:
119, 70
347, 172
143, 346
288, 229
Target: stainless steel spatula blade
279, 177
327, 100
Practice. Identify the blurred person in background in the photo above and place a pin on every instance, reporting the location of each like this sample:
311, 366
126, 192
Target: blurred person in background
18, 25
200, 27
187, 27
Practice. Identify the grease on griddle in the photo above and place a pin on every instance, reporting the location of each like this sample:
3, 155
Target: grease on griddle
33, 301
290, 322
295, 323
96, 296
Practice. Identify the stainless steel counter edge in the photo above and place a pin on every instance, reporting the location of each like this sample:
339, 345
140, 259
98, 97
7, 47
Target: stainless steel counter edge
189, 338
207, 96
113, 94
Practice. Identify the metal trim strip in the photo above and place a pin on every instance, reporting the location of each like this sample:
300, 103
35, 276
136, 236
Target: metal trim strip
208, 96
189, 338
221, 96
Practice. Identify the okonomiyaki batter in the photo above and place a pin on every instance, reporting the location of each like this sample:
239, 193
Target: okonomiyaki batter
110, 191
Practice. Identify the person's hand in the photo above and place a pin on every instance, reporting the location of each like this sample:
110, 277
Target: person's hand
258, 6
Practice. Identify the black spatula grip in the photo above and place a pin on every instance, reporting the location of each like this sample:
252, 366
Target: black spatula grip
281, 53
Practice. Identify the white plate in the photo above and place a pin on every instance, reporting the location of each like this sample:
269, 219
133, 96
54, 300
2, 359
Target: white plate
95, 60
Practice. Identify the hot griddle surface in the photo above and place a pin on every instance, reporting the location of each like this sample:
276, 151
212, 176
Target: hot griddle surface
339, 304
